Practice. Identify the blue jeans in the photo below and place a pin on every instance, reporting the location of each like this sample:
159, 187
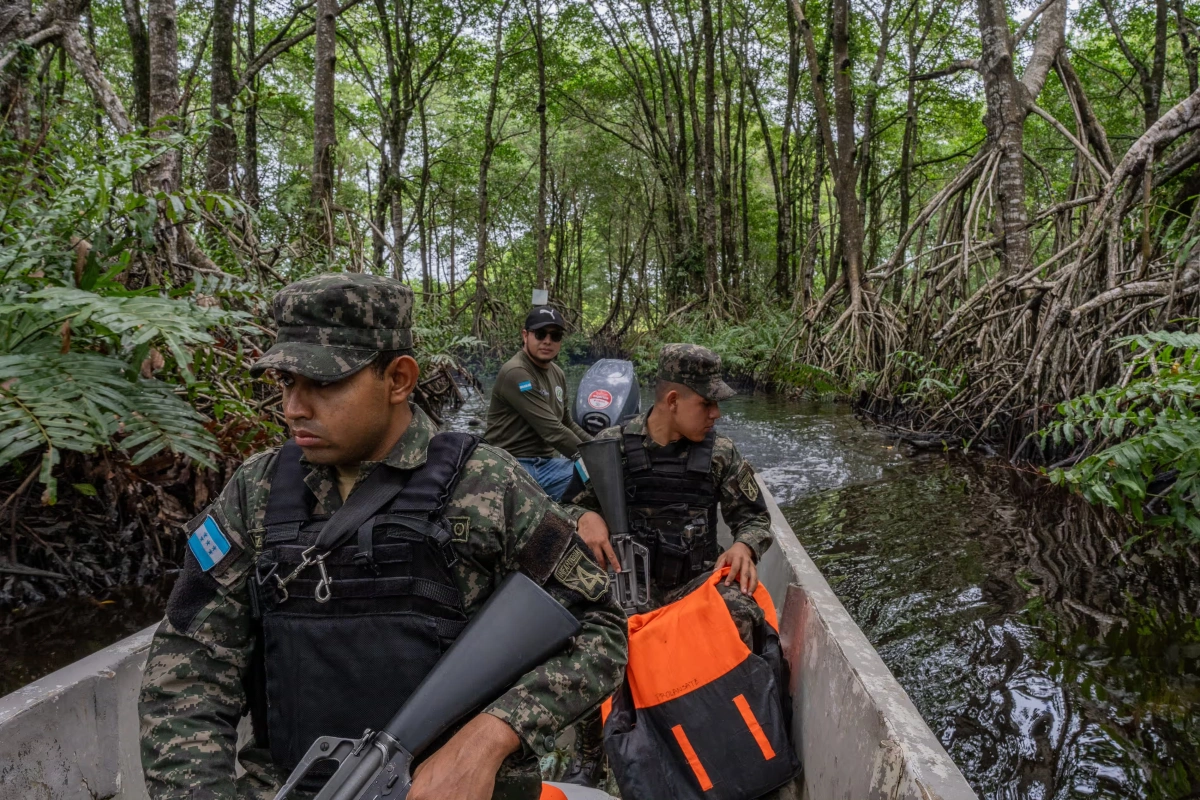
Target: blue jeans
552, 474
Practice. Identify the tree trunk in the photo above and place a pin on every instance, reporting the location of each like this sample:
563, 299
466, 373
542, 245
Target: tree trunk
540, 231
729, 260
250, 181
1150, 77
708, 170
1189, 44
783, 222
906, 157
422, 194
849, 209
139, 46
222, 142
1008, 101
324, 128
163, 40
485, 164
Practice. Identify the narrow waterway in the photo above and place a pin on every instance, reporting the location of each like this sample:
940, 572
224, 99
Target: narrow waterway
1051, 662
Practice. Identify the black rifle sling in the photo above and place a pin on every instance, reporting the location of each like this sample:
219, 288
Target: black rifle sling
380, 487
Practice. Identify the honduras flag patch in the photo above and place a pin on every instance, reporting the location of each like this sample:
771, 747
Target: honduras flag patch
209, 544
525, 386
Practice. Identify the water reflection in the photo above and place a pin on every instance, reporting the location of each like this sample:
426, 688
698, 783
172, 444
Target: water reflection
36, 641
1051, 662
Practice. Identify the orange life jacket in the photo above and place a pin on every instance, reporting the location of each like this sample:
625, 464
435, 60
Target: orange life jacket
701, 716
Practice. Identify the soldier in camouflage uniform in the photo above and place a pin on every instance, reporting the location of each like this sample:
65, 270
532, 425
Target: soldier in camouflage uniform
343, 357
679, 470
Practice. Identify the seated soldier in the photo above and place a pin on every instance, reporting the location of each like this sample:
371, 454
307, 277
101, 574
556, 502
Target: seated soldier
529, 415
258, 625
678, 469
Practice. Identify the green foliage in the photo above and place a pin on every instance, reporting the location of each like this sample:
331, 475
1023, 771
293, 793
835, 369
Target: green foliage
77, 349
751, 351
923, 381
438, 340
1147, 433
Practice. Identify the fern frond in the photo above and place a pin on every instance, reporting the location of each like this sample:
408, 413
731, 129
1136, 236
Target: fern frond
82, 401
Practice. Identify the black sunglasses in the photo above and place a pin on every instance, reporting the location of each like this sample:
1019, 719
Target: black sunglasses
555, 336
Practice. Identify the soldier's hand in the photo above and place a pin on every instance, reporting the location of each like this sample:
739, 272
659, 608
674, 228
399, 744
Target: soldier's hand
741, 567
594, 533
465, 767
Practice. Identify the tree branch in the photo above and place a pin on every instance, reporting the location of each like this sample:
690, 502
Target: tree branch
1028, 23
85, 61
949, 69
41, 37
1080, 146
275, 50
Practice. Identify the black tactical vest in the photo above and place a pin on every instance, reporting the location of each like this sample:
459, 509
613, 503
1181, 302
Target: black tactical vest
673, 506
337, 665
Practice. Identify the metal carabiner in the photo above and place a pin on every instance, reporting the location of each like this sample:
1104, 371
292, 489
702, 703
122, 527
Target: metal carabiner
306, 560
323, 593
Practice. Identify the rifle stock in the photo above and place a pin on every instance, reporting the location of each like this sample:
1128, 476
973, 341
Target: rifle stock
519, 627
606, 472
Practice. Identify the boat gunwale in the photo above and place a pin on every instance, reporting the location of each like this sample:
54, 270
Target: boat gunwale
906, 759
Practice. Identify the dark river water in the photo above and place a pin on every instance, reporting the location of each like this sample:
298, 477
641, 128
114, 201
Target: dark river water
1051, 660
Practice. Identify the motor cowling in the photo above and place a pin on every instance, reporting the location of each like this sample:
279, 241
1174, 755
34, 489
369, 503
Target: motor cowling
608, 395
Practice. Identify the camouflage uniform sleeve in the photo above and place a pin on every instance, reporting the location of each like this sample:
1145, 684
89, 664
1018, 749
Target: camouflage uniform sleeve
541, 541
192, 694
742, 503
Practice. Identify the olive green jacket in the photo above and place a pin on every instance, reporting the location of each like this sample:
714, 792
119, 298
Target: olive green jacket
529, 415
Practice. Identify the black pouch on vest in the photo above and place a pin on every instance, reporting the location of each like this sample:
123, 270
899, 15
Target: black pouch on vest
336, 676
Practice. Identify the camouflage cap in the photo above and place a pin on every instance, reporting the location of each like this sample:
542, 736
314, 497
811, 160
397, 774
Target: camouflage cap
331, 326
696, 367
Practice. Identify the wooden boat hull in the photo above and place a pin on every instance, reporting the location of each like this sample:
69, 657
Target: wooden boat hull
74, 733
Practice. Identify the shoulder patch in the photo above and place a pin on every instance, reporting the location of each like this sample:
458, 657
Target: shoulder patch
578, 571
747, 483
209, 544
525, 386
460, 528
558, 393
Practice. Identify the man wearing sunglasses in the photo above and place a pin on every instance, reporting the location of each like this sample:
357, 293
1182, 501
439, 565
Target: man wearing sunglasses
529, 415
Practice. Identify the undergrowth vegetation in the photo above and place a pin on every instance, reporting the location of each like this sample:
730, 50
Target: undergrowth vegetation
85, 361
1135, 447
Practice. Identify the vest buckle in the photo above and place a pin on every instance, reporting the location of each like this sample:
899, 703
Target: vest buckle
365, 561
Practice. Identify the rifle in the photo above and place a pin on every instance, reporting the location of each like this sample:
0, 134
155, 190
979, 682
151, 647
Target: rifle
518, 628
602, 461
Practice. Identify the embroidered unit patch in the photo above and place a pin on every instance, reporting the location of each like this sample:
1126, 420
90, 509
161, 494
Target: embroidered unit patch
525, 386
747, 484
208, 544
460, 527
558, 393
578, 572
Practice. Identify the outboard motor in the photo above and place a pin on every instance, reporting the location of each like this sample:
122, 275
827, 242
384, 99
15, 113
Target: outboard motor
608, 395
